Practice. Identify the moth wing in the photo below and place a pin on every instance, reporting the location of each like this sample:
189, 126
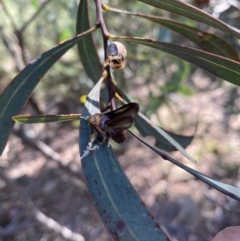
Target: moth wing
119, 135
123, 122
130, 109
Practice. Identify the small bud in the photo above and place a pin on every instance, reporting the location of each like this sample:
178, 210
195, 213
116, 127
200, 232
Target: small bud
116, 55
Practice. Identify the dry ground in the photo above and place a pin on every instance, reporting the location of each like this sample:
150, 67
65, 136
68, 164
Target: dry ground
189, 209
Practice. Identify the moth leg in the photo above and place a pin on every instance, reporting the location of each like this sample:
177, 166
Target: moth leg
90, 146
84, 117
92, 138
85, 153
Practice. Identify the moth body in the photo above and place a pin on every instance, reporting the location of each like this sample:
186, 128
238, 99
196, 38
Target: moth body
111, 125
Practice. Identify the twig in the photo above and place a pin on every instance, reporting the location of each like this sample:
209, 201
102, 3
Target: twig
11, 44
106, 34
44, 4
13, 47
38, 215
14, 26
71, 169
100, 20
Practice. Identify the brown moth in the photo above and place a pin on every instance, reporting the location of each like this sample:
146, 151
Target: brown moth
111, 125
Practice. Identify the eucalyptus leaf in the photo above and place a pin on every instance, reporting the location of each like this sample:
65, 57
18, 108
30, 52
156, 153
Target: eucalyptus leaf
18, 91
219, 66
86, 47
206, 41
161, 142
31, 119
191, 12
164, 139
123, 212
227, 189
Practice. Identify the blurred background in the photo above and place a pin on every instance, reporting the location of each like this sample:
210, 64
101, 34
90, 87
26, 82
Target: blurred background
41, 161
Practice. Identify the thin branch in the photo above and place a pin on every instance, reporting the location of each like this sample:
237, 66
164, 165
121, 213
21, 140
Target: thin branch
100, 20
44, 4
106, 34
19, 32
71, 169
11, 44
38, 215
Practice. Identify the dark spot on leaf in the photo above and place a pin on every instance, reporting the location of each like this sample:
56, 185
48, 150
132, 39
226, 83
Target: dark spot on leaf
157, 225
95, 181
120, 225
104, 211
143, 204
108, 220
150, 215
99, 193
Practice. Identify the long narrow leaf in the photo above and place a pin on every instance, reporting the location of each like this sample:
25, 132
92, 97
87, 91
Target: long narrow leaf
188, 11
227, 189
122, 211
224, 68
18, 91
164, 139
206, 41
86, 47
32, 119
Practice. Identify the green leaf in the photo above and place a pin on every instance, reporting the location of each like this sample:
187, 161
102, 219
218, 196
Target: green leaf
188, 11
122, 211
224, 68
227, 189
18, 91
86, 47
207, 41
149, 130
30, 119
35, 3
164, 139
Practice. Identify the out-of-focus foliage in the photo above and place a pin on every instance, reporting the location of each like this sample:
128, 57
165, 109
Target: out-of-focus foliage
54, 24
158, 70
